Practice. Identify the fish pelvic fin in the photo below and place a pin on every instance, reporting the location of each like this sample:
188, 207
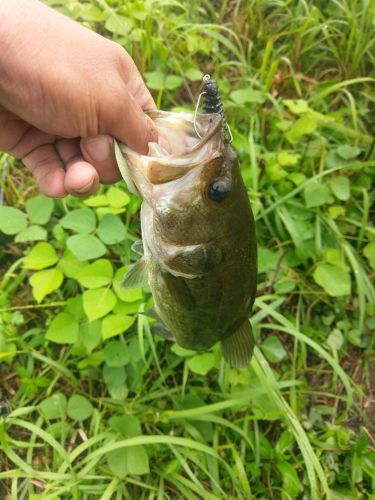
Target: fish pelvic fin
238, 348
137, 276
158, 327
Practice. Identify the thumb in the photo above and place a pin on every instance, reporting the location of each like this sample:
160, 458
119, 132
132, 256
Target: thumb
127, 122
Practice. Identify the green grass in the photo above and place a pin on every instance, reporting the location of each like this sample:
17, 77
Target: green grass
153, 421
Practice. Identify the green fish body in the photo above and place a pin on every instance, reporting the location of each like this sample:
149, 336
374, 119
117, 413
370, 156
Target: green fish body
198, 236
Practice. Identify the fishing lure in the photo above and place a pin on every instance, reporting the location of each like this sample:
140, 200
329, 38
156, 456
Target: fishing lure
212, 103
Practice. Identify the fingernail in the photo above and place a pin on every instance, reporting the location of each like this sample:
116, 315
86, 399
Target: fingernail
98, 148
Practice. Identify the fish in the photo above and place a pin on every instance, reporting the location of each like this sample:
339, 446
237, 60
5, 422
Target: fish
198, 235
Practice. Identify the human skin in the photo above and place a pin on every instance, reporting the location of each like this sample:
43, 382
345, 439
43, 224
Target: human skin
65, 93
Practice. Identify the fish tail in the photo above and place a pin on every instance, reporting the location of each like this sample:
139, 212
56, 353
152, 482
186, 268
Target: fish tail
238, 348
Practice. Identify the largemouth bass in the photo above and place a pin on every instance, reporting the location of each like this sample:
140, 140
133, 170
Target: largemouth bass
198, 235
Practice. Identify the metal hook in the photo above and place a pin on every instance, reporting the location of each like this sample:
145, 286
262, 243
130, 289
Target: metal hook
195, 114
226, 129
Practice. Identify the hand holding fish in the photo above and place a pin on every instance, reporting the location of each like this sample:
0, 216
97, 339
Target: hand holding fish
65, 91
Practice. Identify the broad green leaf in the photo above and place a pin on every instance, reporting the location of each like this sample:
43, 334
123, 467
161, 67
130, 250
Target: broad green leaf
42, 255
118, 24
172, 82
114, 376
155, 80
96, 275
45, 282
347, 152
32, 233
69, 264
303, 126
117, 198
79, 408
99, 200
116, 354
133, 460
193, 74
127, 307
180, 351
114, 324
118, 392
39, 209
54, 406
12, 220
340, 186
335, 257
85, 246
273, 349
102, 211
297, 178
127, 425
63, 329
125, 295
296, 106
291, 483
90, 334
74, 306
90, 12
286, 159
316, 194
98, 302
242, 96
81, 220
284, 286
201, 363
267, 260
369, 252
335, 281
137, 460
335, 339
111, 230
336, 211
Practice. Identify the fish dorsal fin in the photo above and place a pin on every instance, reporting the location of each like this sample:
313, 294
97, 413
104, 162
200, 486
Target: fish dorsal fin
137, 276
238, 348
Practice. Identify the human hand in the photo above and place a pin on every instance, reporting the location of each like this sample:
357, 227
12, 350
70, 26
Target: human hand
65, 91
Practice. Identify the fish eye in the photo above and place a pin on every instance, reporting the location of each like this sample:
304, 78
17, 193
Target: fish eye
218, 190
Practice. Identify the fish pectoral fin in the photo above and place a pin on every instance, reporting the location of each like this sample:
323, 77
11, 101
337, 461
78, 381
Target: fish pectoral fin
137, 247
137, 276
194, 259
238, 348
177, 287
151, 313
158, 328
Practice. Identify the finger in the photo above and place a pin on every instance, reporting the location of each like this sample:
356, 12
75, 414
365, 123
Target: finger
124, 119
99, 151
48, 170
135, 83
12, 129
81, 178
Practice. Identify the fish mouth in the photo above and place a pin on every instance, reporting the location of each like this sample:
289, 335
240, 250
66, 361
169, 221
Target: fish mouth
192, 140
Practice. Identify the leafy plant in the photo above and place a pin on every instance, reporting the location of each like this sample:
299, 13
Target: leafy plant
93, 405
